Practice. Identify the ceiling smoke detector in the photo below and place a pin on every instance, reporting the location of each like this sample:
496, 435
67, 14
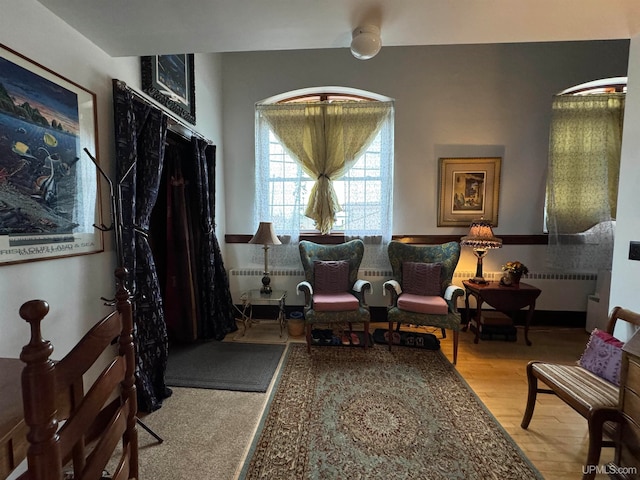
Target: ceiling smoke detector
366, 42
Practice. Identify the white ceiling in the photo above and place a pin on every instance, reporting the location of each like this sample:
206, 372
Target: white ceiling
148, 27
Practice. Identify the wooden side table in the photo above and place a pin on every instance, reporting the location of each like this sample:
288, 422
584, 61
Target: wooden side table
507, 300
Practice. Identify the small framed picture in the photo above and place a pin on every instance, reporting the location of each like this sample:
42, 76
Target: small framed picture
468, 190
169, 79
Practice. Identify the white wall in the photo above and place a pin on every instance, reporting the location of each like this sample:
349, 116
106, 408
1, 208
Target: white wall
73, 286
625, 273
484, 100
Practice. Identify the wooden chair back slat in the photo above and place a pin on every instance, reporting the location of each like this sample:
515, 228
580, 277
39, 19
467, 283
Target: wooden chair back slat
95, 422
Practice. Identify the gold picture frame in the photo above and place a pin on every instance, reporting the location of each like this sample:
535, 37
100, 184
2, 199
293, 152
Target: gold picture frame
468, 190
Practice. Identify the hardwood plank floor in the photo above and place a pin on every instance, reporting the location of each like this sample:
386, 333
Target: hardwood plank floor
557, 438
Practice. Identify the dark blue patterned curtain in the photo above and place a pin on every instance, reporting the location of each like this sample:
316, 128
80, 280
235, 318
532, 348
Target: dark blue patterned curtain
140, 132
216, 305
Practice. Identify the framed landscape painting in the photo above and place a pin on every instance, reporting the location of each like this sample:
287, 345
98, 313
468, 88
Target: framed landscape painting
468, 190
49, 190
169, 79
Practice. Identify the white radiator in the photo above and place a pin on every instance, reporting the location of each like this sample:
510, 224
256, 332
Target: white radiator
561, 292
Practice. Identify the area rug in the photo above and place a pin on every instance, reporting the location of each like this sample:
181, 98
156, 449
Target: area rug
375, 414
243, 367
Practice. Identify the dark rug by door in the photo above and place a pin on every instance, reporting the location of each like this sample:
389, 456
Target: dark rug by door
373, 414
243, 367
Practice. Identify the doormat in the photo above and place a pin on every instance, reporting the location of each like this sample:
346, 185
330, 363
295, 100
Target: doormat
428, 341
243, 367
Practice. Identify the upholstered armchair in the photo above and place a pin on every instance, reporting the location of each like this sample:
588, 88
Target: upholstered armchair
421, 292
332, 291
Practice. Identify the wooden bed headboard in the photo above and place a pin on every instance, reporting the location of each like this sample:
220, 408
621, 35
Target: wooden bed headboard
71, 427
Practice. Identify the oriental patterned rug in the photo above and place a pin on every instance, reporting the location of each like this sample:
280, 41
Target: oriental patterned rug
346, 413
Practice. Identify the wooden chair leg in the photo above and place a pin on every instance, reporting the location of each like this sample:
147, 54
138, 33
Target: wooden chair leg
596, 421
308, 337
366, 335
531, 397
390, 334
444, 333
455, 346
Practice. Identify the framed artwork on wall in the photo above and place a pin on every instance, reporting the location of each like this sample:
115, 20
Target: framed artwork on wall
49, 187
468, 190
169, 79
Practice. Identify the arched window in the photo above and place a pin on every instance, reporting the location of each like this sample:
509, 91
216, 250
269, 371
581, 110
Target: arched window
585, 141
324, 162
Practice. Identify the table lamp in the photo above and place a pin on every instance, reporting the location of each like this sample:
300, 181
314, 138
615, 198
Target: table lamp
481, 239
265, 235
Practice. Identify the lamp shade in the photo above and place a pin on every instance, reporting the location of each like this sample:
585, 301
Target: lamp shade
481, 236
265, 235
366, 42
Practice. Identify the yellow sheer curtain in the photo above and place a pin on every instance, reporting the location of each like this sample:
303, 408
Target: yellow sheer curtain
584, 160
325, 139
582, 180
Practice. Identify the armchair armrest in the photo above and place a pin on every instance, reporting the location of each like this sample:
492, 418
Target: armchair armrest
305, 288
451, 295
360, 288
394, 289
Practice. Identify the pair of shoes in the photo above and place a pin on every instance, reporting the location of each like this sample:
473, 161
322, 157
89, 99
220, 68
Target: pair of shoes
350, 338
322, 337
395, 337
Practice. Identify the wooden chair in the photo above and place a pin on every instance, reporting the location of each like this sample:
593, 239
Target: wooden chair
68, 426
593, 397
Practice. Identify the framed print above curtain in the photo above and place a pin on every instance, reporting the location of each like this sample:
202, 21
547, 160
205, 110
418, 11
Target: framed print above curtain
468, 190
49, 188
169, 79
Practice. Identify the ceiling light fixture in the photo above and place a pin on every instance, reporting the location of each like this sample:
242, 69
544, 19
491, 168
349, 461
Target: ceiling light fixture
366, 42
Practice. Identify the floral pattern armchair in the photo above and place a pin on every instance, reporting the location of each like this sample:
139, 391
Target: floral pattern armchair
334, 301
438, 309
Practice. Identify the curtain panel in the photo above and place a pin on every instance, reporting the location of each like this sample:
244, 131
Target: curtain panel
216, 305
582, 179
140, 132
325, 139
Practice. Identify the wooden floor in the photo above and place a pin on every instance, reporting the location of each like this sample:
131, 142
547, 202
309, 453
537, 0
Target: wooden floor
556, 440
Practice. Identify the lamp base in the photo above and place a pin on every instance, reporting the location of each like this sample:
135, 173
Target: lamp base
266, 287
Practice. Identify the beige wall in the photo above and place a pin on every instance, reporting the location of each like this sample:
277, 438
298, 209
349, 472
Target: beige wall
625, 274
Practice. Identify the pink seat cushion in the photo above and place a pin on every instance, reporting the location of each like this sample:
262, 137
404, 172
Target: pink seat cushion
334, 302
422, 304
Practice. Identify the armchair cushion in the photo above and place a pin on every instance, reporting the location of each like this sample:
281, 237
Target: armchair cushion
421, 278
331, 276
431, 304
335, 302
603, 356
